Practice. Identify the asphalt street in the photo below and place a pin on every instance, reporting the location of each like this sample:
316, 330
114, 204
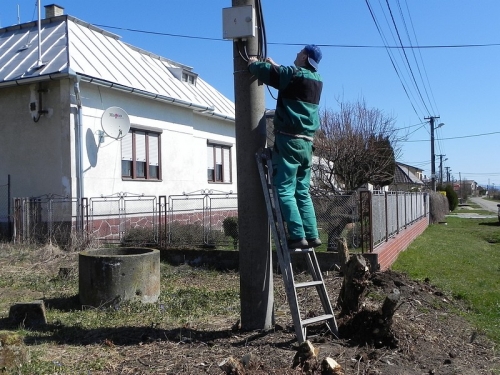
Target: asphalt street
485, 204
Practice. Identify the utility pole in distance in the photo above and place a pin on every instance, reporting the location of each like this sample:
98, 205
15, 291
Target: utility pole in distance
256, 276
441, 168
433, 157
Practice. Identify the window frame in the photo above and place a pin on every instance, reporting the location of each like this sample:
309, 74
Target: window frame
219, 169
131, 156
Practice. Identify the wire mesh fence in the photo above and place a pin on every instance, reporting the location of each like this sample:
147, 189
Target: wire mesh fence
338, 217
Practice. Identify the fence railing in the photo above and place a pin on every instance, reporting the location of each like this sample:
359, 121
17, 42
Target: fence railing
5, 202
387, 213
364, 219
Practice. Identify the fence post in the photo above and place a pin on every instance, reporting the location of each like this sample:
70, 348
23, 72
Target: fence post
9, 218
397, 212
162, 219
386, 217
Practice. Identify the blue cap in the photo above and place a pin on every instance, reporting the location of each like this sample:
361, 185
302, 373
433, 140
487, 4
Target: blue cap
314, 55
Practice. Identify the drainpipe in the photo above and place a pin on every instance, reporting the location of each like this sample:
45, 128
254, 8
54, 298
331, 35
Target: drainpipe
79, 155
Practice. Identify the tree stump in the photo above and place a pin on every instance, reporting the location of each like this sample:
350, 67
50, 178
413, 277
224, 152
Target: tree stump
356, 273
343, 251
386, 313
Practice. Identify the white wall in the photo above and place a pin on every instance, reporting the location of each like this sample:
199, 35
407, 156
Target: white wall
183, 145
37, 155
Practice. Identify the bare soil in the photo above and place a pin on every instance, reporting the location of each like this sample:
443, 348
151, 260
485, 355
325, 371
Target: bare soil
428, 336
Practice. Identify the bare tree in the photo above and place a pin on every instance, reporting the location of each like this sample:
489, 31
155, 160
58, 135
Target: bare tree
355, 146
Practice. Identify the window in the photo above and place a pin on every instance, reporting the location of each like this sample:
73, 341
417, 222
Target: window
189, 78
141, 155
219, 163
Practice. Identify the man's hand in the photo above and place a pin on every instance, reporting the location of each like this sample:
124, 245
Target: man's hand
271, 61
252, 60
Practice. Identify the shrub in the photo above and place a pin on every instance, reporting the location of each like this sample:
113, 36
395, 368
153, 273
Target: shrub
181, 234
452, 197
438, 207
139, 237
230, 225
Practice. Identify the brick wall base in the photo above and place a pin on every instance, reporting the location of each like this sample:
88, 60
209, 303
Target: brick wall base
388, 252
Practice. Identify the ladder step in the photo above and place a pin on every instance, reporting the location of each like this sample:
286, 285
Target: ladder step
301, 251
308, 284
317, 319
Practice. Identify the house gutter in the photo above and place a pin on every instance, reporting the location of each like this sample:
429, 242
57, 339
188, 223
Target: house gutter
198, 108
79, 153
201, 109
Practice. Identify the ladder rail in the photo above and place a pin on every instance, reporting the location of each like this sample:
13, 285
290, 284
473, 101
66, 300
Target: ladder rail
274, 215
264, 162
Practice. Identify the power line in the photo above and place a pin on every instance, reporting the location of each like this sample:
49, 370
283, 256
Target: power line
420, 54
301, 44
390, 55
406, 56
463, 136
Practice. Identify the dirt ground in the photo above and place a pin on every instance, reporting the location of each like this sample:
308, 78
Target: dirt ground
428, 336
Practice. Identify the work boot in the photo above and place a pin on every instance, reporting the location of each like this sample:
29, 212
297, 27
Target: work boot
300, 243
314, 242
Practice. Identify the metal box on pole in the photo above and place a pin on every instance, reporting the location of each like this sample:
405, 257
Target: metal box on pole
238, 22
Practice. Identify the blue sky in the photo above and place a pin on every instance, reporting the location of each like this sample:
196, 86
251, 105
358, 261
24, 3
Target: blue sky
448, 78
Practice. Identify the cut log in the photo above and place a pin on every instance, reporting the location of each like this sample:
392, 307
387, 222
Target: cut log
329, 366
305, 352
231, 366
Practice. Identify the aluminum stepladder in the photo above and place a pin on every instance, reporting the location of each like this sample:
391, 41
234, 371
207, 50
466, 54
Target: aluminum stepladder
285, 256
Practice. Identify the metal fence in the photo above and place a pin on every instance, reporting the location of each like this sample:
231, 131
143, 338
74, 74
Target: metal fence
198, 219
194, 219
387, 213
46, 217
5, 220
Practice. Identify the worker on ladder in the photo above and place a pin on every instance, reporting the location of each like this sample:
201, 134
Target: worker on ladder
296, 119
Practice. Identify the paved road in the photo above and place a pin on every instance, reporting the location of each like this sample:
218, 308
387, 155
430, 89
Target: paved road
485, 204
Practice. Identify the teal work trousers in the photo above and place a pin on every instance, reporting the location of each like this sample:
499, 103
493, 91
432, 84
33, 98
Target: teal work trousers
292, 160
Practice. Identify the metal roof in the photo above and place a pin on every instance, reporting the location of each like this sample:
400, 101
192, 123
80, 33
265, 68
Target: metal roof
72, 47
403, 175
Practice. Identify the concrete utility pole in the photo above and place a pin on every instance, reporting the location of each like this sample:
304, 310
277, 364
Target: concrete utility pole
256, 276
441, 169
433, 156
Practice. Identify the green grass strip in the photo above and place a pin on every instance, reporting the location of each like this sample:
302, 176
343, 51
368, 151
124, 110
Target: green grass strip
462, 258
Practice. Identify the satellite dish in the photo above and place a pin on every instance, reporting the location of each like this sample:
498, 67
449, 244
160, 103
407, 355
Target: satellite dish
115, 122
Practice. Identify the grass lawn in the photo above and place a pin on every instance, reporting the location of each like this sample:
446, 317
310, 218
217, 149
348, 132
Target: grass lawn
463, 259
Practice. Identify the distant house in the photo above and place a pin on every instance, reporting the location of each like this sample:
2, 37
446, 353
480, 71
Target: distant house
466, 188
407, 178
52, 99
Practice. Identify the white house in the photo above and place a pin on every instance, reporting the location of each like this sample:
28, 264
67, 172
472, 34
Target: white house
52, 100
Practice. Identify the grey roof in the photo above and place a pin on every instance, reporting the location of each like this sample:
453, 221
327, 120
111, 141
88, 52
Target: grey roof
403, 175
72, 47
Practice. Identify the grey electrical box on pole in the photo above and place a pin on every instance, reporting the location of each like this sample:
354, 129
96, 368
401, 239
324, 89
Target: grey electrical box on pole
256, 277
